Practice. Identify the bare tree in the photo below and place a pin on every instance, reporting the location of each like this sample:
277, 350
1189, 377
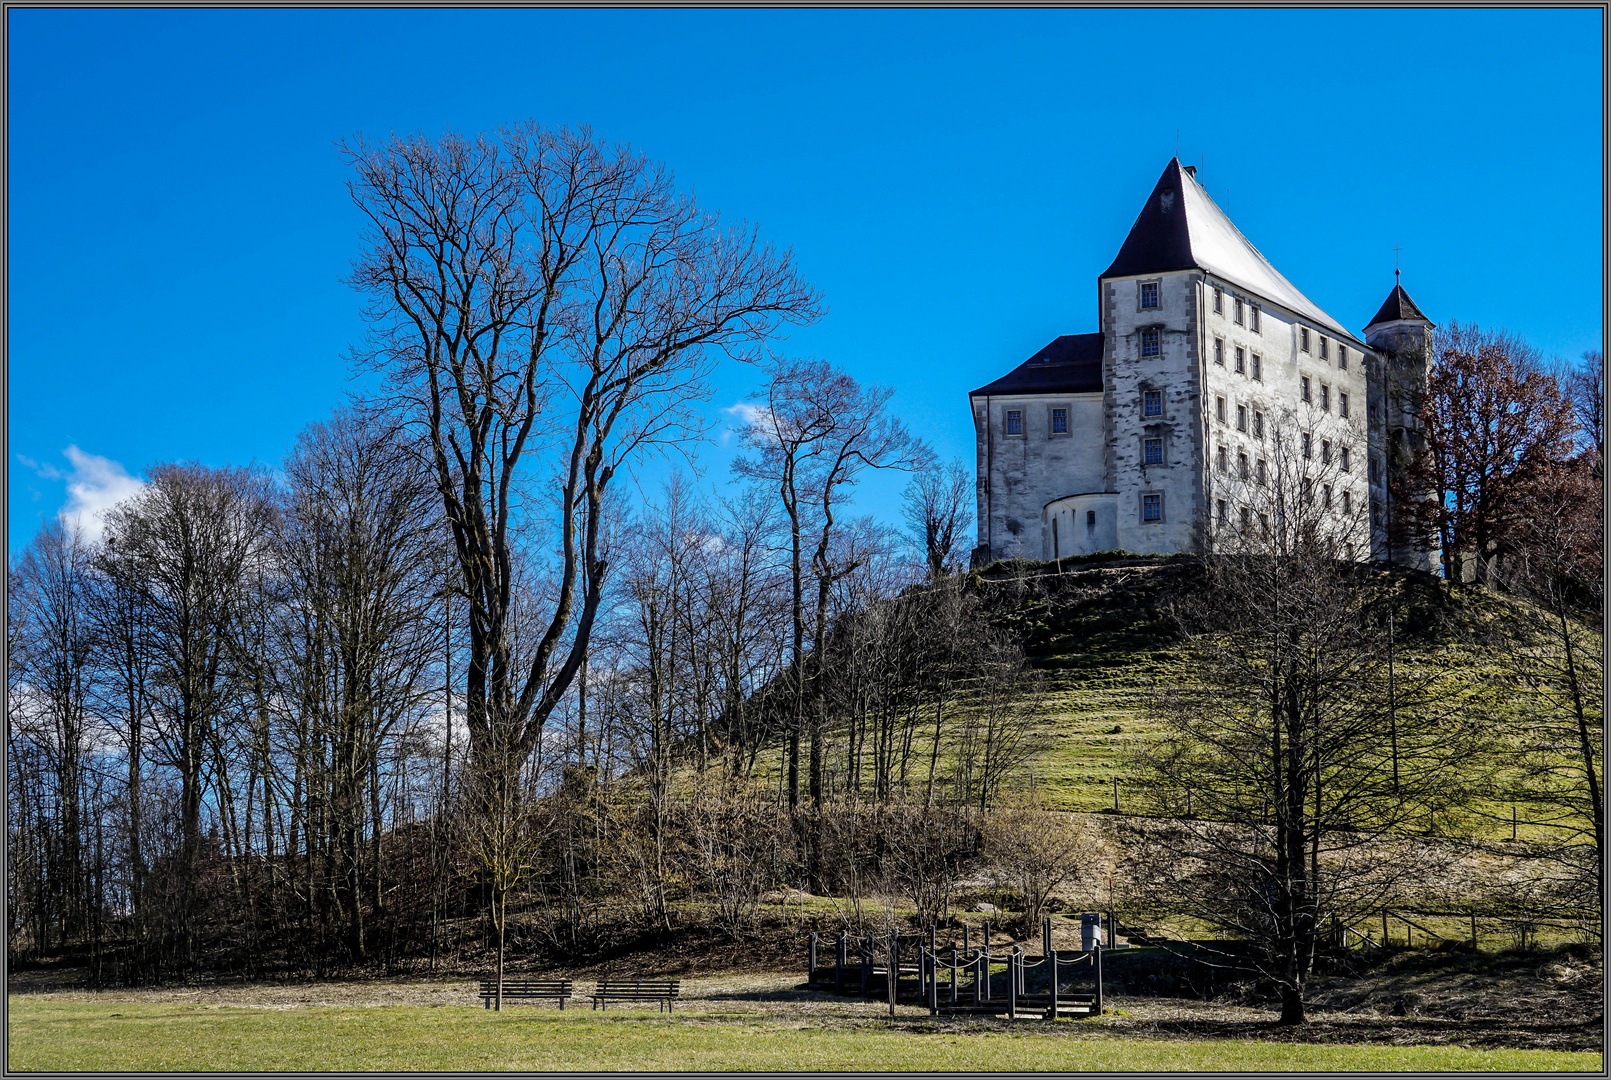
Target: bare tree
813, 432
1280, 732
542, 291
939, 504
1555, 645
187, 544
1032, 852
357, 635
52, 655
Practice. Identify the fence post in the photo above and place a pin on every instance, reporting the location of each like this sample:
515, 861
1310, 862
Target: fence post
1096, 961
840, 957
1473, 928
811, 958
965, 946
1051, 993
1012, 984
934, 985
1046, 936
894, 968
866, 962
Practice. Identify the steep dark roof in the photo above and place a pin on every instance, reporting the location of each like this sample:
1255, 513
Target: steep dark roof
1180, 228
1397, 307
1071, 364
1160, 239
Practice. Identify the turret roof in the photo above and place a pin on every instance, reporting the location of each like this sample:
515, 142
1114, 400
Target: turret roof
1398, 307
1181, 228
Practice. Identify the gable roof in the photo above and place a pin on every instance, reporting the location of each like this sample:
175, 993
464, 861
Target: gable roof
1398, 307
1181, 228
1071, 364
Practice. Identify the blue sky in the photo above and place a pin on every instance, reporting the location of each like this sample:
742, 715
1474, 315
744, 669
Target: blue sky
952, 180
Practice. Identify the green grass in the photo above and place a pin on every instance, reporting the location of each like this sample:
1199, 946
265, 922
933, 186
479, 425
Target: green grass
70, 1036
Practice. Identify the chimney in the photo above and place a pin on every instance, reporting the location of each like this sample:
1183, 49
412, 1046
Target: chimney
1189, 170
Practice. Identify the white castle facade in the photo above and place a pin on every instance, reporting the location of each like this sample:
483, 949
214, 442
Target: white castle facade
1147, 436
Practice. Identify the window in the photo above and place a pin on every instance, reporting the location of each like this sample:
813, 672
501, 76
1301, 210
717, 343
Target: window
1246, 519
1153, 449
1015, 422
1264, 524
1241, 360
1375, 511
1258, 367
1219, 351
1220, 507
1373, 469
1258, 425
1325, 451
1152, 403
1342, 356
1342, 404
1059, 421
1303, 388
1347, 503
1237, 310
1241, 466
1325, 496
1152, 507
1149, 294
1222, 459
1325, 348
1306, 490
1325, 398
1303, 338
1241, 418
1219, 300
1219, 409
1306, 444
1150, 345
1263, 473
1090, 520
1342, 458
1256, 319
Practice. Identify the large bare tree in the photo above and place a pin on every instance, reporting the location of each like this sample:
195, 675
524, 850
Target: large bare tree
813, 432
544, 307
1306, 752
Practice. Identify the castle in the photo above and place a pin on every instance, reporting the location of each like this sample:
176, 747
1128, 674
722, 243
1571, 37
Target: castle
1146, 435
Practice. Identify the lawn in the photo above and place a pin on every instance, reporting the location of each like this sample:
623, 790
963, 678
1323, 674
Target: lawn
57, 1034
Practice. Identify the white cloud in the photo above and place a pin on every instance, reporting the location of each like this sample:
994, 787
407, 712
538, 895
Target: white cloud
751, 416
95, 485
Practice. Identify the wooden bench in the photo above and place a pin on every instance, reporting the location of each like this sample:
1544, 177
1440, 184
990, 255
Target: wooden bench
526, 990
660, 991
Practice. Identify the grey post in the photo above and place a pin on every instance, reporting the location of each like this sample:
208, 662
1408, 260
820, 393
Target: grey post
1012, 984
953, 976
1051, 995
934, 985
866, 961
1090, 930
965, 945
1096, 960
1046, 936
894, 968
811, 958
840, 957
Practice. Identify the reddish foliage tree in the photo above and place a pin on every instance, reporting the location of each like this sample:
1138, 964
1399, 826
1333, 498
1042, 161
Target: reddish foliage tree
1495, 424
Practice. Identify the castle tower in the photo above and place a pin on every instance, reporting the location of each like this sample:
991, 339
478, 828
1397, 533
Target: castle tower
1401, 337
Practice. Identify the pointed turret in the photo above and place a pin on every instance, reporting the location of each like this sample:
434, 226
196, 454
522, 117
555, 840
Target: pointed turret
1398, 307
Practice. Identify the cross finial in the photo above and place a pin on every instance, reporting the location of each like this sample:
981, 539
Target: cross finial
1395, 264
